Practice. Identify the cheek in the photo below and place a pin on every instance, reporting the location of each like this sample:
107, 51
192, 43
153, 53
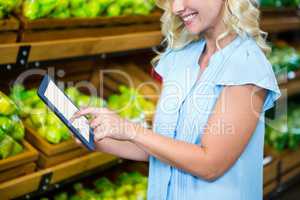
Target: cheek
210, 12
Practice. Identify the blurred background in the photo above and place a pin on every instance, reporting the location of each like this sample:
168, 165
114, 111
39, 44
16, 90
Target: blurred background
99, 52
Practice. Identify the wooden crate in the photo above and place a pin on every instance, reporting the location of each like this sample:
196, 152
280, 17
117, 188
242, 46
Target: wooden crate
45, 161
271, 172
289, 165
53, 154
273, 12
9, 30
20, 164
270, 175
30, 183
47, 148
17, 171
289, 162
59, 29
269, 188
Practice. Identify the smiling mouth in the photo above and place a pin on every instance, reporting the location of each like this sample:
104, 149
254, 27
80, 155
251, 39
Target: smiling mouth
189, 17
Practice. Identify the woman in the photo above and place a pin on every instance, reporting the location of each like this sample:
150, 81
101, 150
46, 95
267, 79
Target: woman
208, 134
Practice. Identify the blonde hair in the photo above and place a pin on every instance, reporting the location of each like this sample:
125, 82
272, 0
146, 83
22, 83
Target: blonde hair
240, 16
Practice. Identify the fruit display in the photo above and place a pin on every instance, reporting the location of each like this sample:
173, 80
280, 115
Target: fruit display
280, 3
7, 6
128, 186
284, 58
284, 132
82, 100
38, 116
62, 9
11, 128
130, 104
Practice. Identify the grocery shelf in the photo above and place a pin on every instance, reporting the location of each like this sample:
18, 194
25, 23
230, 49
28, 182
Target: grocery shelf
61, 49
280, 23
276, 20
44, 179
291, 85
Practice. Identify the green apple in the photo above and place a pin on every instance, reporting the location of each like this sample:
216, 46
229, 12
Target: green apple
2, 13
40, 104
103, 4
38, 117
83, 100
114, 10
8, 5
97, 102
65, 134
18, 131
77, 3
92, 8
126, 3
2, 134
61, 14
7, 106
128, 11
6, 146
17, 93
25, 110
42, 131
16, 149
62, 5
72, 93
123, 197
53, 135
52, 119
79, 12
31, 9
47, 6
6, 124
31, 98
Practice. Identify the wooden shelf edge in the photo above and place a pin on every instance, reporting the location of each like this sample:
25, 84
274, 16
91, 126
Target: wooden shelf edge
280, 23
60, 49
30, 183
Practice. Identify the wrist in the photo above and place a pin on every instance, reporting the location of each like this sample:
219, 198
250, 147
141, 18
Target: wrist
136, 131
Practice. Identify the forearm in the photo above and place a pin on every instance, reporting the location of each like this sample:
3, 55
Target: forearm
123, 149
188, 157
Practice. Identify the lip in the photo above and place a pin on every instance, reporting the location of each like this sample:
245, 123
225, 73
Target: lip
188, 18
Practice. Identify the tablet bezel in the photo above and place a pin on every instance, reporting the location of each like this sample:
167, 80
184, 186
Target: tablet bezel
41, 93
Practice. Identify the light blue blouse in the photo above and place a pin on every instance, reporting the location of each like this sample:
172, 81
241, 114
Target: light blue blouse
185, 106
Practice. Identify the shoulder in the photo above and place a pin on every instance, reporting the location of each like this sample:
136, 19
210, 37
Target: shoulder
172, 57
247, 63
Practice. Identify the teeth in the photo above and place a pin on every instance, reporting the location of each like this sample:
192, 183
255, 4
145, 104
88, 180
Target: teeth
189, 17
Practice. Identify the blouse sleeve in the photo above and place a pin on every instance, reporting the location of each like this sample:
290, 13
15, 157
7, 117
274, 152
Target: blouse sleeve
250, 66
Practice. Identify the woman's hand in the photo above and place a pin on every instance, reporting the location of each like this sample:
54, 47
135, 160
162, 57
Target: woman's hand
108, 124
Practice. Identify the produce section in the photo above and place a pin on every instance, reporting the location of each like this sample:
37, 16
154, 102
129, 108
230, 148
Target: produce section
279, 3
39, 158
128, 186
11, 128
8, 6
61, 9
284, 58
283, 133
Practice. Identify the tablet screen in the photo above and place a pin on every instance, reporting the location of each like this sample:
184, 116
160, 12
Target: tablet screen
67, 108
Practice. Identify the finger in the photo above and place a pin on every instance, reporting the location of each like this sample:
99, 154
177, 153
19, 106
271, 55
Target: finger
96, 122
87, 111
99, 133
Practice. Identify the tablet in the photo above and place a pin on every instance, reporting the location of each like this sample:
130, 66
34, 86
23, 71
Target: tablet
64, 109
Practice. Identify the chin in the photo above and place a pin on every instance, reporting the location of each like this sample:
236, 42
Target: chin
194, 30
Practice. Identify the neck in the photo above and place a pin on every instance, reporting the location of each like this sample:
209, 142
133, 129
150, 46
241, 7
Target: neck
212, 35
